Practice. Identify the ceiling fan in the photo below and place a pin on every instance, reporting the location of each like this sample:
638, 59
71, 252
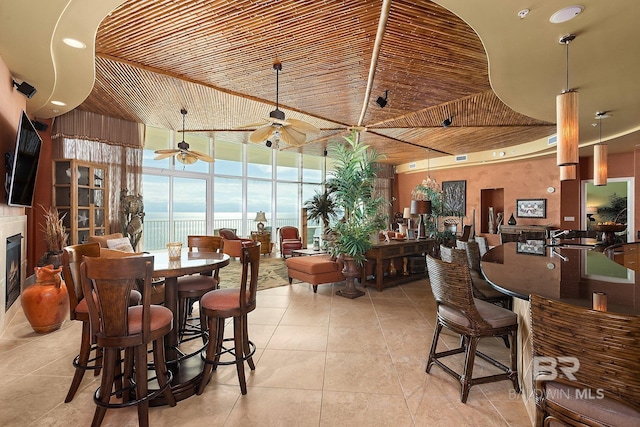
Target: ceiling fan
292, 132
182, 153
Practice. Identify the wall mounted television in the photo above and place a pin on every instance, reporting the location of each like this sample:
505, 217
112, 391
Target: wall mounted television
22, 165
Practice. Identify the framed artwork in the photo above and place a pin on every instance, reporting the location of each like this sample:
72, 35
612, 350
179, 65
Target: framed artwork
454, 197
531, 247
531, 208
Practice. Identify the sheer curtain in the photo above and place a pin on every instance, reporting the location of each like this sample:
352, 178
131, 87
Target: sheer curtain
108, 141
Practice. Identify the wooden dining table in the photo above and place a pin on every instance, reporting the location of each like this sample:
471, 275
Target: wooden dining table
187, 371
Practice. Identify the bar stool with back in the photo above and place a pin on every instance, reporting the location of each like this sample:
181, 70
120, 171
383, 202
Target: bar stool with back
472, 319
220, 304
192, 288
116, 326
71, 260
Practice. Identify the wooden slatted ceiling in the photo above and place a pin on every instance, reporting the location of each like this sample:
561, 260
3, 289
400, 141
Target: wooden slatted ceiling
215, 59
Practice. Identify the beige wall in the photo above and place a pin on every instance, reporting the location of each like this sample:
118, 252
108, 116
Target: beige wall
521, 179
527, 179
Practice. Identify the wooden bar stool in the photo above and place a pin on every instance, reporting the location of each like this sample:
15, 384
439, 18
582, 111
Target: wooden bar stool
221, 304
71, 259
117, 326
192, 288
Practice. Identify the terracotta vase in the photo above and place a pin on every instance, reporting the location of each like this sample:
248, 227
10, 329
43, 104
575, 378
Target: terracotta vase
46, 303
351, 272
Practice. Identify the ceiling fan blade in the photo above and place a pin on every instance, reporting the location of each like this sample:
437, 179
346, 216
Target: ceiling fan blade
261, 134
256, 125
201, 156
164, 155
302, 126
291, 136
167, 151
186, 158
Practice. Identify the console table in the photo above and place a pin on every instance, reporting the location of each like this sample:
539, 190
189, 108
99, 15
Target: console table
395, 251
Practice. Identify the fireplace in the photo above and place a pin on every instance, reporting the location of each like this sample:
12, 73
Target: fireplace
13, 277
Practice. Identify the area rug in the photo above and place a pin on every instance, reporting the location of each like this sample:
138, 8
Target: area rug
273, 273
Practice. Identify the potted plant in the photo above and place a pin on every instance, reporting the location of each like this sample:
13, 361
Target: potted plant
322, 207
352, 182
55, 237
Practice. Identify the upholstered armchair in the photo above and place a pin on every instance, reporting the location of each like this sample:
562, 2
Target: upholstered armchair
289, 240
232, 243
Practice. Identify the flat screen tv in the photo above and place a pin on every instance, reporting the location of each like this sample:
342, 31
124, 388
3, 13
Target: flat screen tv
22, 164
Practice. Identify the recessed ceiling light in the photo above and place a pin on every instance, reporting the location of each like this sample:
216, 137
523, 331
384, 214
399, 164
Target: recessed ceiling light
566, 14
74, 43
60, 103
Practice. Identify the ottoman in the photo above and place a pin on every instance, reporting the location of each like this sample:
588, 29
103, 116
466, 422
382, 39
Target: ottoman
315, 269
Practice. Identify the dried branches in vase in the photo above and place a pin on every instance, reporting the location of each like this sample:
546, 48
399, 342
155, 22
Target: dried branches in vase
55, 236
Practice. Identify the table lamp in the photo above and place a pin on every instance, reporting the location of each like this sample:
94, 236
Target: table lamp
260, 219
406, 214
420, 207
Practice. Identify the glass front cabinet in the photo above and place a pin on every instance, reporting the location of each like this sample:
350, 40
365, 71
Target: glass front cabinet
80, 193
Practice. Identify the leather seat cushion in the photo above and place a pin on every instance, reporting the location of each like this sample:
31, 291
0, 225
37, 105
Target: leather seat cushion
603, 410
495, 316
314, 264
196, 283
222, 299
160, 318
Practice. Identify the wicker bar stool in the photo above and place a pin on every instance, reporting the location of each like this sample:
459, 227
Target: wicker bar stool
220, 304
596, 359
481, 289
117, 326
473, 319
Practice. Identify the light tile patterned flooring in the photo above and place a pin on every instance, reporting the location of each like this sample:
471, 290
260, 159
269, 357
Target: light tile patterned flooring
322, 360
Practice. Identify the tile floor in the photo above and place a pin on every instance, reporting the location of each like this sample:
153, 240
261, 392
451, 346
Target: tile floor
322, 360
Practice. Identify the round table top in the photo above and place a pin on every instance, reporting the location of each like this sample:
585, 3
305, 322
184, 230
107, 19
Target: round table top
188, 263
568, 274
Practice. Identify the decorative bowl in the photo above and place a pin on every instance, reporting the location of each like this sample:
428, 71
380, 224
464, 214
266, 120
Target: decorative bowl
615, 228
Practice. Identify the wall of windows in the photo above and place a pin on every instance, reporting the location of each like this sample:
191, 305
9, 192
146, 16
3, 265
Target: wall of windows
244, 179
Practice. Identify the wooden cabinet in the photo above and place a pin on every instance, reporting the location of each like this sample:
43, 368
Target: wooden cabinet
81, 193
511, 233
265, 241
388, 261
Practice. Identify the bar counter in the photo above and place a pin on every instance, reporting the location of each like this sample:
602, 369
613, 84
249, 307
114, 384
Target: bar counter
570, 274
566, 273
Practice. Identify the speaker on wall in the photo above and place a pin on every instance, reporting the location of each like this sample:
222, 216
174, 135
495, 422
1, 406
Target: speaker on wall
25, 88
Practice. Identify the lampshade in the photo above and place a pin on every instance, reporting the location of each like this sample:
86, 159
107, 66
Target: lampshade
592, 210
419, 207
260, 217
600, 164
567, 128
407, 213
568, 172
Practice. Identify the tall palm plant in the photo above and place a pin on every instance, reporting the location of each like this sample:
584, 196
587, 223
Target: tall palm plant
352, 182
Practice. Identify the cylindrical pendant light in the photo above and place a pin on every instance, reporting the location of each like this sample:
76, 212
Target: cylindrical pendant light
567, 128
568, 172
567, 119
600, 156
600, 164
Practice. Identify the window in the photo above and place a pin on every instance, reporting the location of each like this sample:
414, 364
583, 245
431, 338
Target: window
244, 179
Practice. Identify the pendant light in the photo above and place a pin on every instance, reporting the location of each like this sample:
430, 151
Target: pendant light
567, 118
568, 172
600, 156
